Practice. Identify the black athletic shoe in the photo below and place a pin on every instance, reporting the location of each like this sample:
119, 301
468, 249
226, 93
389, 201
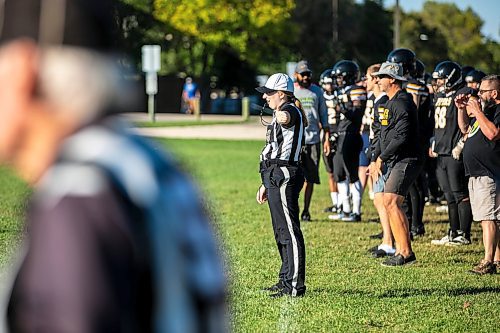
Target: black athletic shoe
399, 260
274, 288
282, 293
373, 249
305, 216
352, 218
377, 236
331, 209
379, 253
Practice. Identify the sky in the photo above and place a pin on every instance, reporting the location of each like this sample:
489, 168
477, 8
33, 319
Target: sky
488, 10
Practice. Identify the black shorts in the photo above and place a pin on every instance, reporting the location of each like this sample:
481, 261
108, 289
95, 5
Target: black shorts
346, 159
328, 160
451, 177
401, 175
310, 162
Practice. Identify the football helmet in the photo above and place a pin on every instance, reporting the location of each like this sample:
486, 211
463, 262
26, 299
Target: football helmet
419, 72
346, 72
465, 70
449, 71
326, 77
404, 57
475, 76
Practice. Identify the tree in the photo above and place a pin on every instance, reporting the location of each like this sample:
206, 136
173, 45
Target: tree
451, 34
256, 30
364, 33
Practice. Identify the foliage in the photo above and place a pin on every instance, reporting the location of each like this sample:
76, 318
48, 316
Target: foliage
363, 33
252, 29
225, 43
452, 34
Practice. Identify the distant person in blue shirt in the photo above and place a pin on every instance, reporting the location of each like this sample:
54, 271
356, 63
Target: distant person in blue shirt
190, 96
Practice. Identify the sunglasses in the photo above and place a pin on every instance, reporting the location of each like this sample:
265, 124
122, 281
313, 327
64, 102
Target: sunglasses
486, 90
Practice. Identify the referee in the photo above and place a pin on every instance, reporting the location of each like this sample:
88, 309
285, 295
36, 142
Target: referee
282, 179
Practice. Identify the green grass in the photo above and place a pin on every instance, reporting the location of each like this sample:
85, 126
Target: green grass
347, 290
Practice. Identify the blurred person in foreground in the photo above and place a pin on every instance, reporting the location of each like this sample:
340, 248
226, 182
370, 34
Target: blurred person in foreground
480, 121
117, 236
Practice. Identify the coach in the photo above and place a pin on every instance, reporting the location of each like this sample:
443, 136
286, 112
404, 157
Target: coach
398, 153
482, 164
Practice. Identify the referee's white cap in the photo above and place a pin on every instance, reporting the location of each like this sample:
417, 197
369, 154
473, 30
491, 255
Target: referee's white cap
278, 81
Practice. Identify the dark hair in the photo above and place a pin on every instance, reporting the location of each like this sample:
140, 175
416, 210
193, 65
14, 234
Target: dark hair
297, 103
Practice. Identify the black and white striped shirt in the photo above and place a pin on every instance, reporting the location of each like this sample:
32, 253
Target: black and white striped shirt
284, 142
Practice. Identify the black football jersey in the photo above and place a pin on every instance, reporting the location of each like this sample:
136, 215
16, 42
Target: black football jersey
446, 130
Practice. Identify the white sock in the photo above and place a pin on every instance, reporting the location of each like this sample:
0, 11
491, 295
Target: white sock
387, 248
334, 197
343, 188
356, 197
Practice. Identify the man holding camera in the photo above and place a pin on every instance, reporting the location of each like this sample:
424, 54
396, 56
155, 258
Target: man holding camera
481, 156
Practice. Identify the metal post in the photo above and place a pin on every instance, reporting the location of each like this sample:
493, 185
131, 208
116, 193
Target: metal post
335, 21
397, 16
197, 114
151, 107
245, 108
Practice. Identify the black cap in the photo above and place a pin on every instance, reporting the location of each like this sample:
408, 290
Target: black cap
82, 23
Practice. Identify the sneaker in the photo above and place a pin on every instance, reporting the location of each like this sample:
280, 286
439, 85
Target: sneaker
274, 288
484, 267
331, 209
352, 218
305, 216
443, 241
338, 216
497, 264
399, 260
282, 293
373, 249
458, 241
377, 236
379, 253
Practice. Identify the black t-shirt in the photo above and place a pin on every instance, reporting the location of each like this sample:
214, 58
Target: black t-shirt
481, 155
446, 130
425, 114
399, 129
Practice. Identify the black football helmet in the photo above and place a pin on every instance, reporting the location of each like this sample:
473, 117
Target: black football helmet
419, 70
404, 57
346, 72
475, 76
326, 77
465, 70
449, 71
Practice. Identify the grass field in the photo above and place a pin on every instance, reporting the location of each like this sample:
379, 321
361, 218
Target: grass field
347, 290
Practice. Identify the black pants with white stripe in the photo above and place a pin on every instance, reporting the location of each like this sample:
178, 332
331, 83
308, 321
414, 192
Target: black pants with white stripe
283, 184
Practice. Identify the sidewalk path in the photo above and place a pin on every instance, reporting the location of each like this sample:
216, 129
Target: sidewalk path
251, 130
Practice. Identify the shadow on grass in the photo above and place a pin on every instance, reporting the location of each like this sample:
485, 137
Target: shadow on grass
402, 293
438, 292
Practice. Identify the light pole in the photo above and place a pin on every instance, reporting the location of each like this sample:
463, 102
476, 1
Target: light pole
397, 15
